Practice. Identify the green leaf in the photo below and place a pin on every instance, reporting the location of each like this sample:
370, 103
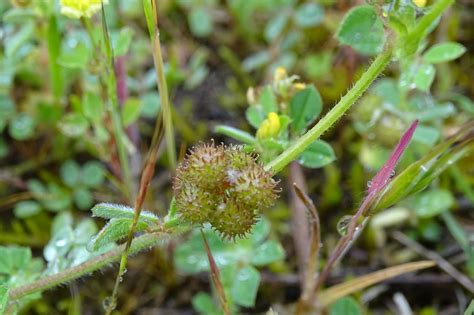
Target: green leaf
317, 154
245, 287
470, 308
121, 43
73, 125
15, 42
83, 198
267, 253
309, 14
203, 304
3, 298
26, 209
22, 127
256, 60
255, 115
424, 77
114, 230
363, 30
235, 133
200, 22
7, 108
305, 107
56, 199
150, 105
426, 135
275, 26
19, 15
92, 107
131, 111
70, 173
92, 174
13, 259
444, 52
419, 175
76, 57
113, 211
346, 306
268, 100
433, 202
260, 231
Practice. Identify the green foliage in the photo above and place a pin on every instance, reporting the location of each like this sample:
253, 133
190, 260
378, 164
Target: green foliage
114, 211
3, 298
67, 247
346, 306
66, 116
281, 112
363, 30
120, 220
305, 107
318, 154
432, 202
235, 259
114, 230
443, 52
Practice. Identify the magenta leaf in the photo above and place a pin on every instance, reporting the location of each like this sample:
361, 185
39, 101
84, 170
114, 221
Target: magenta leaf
385, 173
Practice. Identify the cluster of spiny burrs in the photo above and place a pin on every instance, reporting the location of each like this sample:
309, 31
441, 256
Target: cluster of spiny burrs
222, 185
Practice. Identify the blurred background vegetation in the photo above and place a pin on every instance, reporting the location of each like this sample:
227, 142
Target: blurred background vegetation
58, 156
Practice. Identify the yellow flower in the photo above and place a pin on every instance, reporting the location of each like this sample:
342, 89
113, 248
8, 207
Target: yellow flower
269, 127
299, 86
76, 9
280, 74
420, 3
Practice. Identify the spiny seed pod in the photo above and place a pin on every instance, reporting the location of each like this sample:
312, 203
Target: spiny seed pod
223, 186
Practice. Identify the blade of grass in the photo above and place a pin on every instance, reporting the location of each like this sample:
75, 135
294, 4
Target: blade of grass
147, 175
440, 261
329, 296
151, 16
54, 49
215, 275
312, 262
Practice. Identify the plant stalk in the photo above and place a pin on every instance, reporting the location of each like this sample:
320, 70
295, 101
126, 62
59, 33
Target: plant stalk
292, 152
140, 243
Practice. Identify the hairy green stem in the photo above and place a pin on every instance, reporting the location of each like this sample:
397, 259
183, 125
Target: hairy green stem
140, 243
333, 115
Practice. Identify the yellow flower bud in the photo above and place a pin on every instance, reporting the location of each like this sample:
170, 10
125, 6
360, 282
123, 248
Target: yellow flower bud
420, 3
269, 127
280, 74
76, 9
299, 86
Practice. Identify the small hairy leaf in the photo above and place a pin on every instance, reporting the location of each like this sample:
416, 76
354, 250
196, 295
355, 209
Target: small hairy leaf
363, 30
13, 258
305, 107
114, 230
3, 298
346, 306
424, 77
444, 52
432, 202
318, 154
115, 211
309, 14
235, 133
267, 253
245, 286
